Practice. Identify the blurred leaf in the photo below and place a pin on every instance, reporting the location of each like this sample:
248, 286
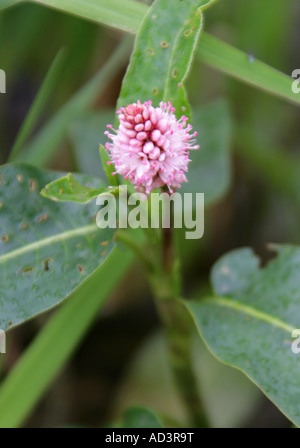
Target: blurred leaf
86, 134
121, 14
210, 170
53, 346
269, 40
249, 324
108, 168
46, 249
246, 68
40, 150
163, 54
38, 105
68, 189
280, 169
30, 21
138, 417
149, 382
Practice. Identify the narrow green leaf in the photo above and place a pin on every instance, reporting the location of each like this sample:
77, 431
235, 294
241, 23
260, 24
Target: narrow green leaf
108, 167
53, 346
40, 150
68, 189
38, 105
121, 14
163, 53
249, 323
46, 249
239, 65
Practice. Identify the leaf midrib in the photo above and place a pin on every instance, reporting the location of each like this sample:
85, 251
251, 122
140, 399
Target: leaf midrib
63, 236
250, 311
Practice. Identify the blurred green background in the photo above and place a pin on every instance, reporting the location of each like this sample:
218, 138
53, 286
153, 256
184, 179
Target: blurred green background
122, 360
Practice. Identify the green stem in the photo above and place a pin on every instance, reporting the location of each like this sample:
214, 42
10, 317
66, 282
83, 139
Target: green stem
168, 250
162, 268
178, 331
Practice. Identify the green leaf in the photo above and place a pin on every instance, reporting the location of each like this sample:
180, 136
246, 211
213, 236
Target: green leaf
163, 54
180, 63
121, 14
138, 417
53, 346
248, 69
39, 104
249, 323
68, 189
46, 249
108, 167
210, 169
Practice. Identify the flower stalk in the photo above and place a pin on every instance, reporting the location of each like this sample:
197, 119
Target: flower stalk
178, 328
151, 150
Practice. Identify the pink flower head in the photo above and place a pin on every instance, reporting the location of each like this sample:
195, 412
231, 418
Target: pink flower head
151, 147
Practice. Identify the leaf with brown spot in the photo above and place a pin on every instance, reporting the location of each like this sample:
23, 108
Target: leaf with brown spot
42, 244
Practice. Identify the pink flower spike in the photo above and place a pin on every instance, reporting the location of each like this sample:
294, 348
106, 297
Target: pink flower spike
151, 146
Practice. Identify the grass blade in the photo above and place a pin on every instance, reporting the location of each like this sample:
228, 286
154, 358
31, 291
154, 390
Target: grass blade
38, 105
238, 64
122, 14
